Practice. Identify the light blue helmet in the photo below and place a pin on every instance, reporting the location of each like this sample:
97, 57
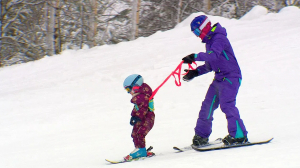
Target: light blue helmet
133, 80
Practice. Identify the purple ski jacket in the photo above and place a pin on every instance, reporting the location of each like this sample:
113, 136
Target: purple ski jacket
219, 56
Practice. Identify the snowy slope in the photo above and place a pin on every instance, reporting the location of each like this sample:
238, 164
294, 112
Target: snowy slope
70, 110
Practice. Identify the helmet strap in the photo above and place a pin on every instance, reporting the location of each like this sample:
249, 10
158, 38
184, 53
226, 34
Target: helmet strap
134, 81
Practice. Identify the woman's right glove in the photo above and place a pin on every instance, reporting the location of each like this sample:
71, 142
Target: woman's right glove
134, 120
189, 59
190, 75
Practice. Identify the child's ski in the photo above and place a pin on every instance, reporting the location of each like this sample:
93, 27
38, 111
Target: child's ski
223, 146
217, 141
149, 154
123, 160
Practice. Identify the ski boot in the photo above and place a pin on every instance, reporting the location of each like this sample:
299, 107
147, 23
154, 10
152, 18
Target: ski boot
136, 153
199, 141
229, 140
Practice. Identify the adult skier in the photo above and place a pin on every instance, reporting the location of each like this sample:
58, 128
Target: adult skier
219, 57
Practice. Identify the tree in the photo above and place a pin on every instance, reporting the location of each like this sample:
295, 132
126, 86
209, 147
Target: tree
179, 14
57, 28
49, 25
115, 22
93, 23
31, 29
20, 31
207, 5
135, 18
1, 18
291, 2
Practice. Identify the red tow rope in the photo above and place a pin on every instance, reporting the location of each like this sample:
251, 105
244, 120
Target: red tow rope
173, 74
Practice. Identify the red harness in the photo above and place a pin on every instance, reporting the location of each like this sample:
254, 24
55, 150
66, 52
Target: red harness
177, 72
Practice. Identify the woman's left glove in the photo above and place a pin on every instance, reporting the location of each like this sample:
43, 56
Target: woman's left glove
134, 120
190, 75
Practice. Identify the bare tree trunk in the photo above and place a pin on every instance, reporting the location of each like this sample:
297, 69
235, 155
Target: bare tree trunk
179, 11
207, 5
81, 22
1, 55
238, 9
291, 2
57, 27
50, 22
280, 3
94, 22
135, 19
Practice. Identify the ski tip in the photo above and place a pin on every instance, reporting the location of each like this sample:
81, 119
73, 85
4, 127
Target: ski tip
178, 149
265, 141
115, 162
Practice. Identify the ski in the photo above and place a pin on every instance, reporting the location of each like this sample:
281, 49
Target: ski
183, 149
123, 160
223, 146
149, 154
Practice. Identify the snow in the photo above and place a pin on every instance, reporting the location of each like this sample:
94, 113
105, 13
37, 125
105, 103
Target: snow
70, 110
255, 12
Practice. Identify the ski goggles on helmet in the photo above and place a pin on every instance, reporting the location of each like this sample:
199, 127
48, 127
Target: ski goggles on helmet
197, 32
129, 89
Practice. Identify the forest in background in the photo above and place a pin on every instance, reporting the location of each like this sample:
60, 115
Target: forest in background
32, 29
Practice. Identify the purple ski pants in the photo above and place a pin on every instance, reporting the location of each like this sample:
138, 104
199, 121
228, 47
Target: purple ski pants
221, 93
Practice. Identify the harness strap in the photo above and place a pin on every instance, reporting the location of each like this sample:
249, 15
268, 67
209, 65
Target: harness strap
174, 73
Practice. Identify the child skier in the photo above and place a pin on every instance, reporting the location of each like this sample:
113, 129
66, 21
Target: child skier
142, 115
219, 57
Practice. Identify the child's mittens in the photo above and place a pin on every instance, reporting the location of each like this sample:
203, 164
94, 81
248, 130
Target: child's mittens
134, 120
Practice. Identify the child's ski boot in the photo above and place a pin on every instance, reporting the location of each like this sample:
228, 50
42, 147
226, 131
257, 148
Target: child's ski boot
136, 153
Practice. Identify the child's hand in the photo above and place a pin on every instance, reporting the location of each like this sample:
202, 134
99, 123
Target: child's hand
134, 120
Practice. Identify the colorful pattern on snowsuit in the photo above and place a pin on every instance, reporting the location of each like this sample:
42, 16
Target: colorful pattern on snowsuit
141, 103
219, 57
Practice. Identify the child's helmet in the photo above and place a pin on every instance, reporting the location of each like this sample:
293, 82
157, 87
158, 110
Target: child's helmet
131, 81
199, 24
